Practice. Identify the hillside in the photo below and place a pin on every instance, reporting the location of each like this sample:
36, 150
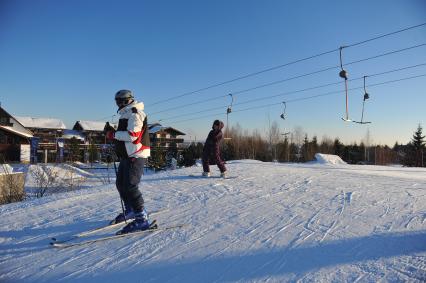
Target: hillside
319, 222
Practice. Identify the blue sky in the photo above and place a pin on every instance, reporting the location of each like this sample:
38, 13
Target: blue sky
66, 59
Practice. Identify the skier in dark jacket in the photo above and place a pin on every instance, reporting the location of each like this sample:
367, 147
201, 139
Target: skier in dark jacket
132, 147
211, 150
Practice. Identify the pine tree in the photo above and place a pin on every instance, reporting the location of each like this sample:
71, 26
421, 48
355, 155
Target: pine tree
74, 151
418, 139
418, 144
314, 146
338, 147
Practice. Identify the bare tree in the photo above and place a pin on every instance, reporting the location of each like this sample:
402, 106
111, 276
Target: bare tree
11, 186
367, 143
46, 178
274, 138
71, 180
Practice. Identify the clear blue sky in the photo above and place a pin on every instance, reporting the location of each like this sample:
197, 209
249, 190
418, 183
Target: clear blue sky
66, 59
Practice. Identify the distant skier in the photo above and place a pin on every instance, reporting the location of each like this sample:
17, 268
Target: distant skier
211, 150
132, 146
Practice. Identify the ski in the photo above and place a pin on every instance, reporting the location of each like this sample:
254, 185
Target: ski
99, 229
211, 177
62, 245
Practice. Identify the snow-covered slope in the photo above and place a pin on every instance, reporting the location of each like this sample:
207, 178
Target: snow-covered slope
274, 222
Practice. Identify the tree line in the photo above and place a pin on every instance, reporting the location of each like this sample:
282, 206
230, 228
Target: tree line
297, 146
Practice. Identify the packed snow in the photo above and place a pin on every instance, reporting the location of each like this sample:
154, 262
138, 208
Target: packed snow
317, 222
328, 159
6, 169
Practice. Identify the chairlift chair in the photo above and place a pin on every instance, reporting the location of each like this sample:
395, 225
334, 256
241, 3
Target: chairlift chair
284, 116
228, 111
344, 75
366, 96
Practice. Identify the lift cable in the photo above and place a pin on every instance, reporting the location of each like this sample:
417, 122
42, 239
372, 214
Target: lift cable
291, 78
302, 99
286, 64
296, 91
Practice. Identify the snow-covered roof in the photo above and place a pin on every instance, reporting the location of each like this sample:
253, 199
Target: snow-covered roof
41, 123
157, 128
91, 125
16, 132
69, 134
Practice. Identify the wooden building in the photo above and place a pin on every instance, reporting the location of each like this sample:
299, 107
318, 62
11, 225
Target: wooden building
165, 139
48, 132
14, 139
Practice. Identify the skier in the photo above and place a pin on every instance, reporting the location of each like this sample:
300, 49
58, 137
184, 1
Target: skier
211, 150
132, 146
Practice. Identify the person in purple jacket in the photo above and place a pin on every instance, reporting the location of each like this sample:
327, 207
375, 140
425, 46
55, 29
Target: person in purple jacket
211, 150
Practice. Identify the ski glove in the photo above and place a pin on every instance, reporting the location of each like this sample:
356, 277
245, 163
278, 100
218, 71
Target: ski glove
110, 135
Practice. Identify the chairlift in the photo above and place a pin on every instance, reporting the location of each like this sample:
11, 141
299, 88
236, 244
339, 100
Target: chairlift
366, 96
344, 75
284, 116
228, 111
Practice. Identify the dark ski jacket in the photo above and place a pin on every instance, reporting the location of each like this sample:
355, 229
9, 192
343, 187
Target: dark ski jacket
211, 149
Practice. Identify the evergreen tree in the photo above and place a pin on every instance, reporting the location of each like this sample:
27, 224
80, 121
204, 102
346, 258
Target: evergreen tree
294, 153
338, 147
362, 153
306, 149
418, 144
314, 145
93, 152
74, 151
188, 156
283, 151
418, 139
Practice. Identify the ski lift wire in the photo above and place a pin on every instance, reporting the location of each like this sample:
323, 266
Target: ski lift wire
286, 64
303, 98
296, 91
296, 77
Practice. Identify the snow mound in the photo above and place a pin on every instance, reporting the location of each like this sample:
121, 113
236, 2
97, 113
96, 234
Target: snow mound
38, 173
6, 169
329, 159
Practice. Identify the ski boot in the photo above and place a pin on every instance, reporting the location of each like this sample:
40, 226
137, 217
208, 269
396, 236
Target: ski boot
206, 174
140, 223
224, 174
128, 215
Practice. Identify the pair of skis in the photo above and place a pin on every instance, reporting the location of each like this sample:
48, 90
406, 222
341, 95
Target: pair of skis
73, 240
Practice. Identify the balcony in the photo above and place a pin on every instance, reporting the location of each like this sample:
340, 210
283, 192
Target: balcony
164, 140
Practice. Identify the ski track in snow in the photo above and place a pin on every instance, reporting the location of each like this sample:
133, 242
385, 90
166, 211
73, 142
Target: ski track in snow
273, 223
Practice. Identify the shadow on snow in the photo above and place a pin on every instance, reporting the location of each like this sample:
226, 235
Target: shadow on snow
274, 262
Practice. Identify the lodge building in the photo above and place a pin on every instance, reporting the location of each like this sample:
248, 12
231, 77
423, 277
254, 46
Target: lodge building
27, 139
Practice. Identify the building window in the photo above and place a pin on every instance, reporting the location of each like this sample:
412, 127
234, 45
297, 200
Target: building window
3, 138
4, 121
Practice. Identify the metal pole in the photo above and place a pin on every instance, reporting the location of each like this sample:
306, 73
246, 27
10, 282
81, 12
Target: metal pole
121, 200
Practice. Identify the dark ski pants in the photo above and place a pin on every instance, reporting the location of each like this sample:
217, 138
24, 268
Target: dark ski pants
215, 159
129, 175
